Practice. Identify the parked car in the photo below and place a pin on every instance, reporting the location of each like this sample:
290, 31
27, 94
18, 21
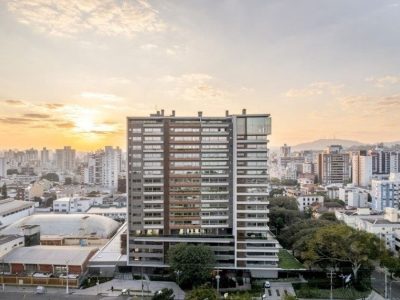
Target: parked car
267, 284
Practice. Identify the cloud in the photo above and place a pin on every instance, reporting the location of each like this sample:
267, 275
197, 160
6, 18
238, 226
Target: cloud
37, 116
375, 105
148, 46
14, 102
53, 105
65, 125
315, 89
101, 96
16, 120
195, 87
72, 17
383, 81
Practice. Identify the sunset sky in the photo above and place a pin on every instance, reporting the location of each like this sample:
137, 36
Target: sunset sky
72, 70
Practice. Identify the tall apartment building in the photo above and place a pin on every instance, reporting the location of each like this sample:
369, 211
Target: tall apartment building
380, 161
45, 157
104, 167
361, 169
333, 166
386, 193
65, 159
200, 180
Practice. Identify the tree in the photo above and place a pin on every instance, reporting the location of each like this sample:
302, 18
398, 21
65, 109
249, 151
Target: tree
164, 294
68, 181
341, 244
4, 191
51, 177
392, 264
202, 292
329, 216
193, 262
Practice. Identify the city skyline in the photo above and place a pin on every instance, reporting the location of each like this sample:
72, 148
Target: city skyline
321, 70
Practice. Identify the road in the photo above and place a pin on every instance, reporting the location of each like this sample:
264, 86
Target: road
32, 296
378, 283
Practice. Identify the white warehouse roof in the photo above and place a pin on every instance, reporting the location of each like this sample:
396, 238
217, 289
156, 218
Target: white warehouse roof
74, 225
49, 255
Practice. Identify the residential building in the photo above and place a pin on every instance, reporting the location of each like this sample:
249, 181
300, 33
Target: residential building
334, 166
385, 192
3, 167
358, 198
362, 169
306, 201
104, 168
200, 180
380, 161
65, 159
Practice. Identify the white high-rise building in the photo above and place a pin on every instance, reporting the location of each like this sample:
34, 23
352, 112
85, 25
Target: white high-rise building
3, 167
104, 167
386, 193
111, 166
362, 169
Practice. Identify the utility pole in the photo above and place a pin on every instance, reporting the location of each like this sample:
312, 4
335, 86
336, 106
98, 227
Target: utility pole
331, 284
67, 287
386, 289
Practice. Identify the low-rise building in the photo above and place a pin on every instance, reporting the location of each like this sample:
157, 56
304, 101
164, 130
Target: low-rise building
47, 260
308, 200
113, 212
13, 210
9, 242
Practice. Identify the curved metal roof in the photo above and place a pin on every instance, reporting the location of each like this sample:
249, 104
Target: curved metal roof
74, 225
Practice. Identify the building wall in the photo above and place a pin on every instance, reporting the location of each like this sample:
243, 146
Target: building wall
198, 177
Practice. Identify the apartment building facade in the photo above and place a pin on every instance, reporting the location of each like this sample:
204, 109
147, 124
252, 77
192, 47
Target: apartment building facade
334, 166
200, 180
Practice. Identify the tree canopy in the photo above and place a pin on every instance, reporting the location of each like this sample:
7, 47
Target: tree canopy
202, 292
194, 263
4, 191
51, 177
341, 244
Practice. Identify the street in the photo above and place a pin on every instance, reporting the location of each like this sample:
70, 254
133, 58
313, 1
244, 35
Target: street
378, 283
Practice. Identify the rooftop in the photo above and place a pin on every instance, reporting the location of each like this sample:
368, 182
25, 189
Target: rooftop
74, 225
107, 209
10, 205
8, 238
380, 221
51, 255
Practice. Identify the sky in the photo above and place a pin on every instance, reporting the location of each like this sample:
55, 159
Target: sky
71, 71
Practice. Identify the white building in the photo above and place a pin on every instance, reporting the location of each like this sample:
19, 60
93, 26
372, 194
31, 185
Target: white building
3, 167
385, 192
382, 225
9, 242
75, 204
65, 159
362, 169
104, 168
14, 210
306, 201
113, 212
357, 198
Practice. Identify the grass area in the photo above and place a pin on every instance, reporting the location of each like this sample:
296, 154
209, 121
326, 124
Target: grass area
347, 293
287, 261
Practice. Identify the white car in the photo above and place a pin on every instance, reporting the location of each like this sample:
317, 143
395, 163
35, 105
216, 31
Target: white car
267, 285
